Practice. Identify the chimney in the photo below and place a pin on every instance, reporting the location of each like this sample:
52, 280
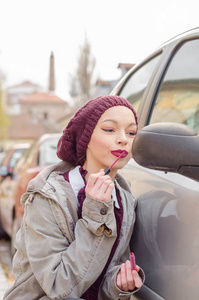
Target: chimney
51, 74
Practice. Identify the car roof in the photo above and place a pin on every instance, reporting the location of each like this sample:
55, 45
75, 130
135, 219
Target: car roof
185, 34
47, 136
21, 146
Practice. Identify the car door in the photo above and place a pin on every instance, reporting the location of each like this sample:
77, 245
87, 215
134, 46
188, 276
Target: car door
166, 233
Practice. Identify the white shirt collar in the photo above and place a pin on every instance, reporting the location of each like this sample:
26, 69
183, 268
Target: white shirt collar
77, 183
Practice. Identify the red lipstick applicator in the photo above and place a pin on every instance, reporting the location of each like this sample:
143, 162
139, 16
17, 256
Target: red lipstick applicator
107, 170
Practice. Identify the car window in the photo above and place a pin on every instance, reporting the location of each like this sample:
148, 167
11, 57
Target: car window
15, 157
47, 152
135, 86
178, 97
25, 158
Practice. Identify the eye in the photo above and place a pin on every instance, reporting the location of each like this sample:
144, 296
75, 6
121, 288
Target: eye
132, 133
108, 129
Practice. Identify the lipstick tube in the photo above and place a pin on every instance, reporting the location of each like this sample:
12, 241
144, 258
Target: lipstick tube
132, 260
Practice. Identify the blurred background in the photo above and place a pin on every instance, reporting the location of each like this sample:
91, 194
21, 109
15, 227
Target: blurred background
55, 56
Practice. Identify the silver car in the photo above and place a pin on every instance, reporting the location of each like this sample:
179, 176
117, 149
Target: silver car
164, 174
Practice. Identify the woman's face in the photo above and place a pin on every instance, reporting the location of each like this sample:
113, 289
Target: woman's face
114, 133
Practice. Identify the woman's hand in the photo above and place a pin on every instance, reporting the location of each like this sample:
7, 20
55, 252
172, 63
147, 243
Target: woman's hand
99, 186
127, 279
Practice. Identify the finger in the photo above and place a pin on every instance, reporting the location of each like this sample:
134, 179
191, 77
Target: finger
124, 284
108, 193
101, 189
130, 279
105, 190
93, 177
99, 180
137, 279
92, 180
97, 189
118, 281
137, 268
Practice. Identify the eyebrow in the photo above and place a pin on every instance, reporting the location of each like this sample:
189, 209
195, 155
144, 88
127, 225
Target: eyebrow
114, 121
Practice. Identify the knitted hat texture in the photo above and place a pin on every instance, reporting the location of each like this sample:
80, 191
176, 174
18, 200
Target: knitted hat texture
73, 143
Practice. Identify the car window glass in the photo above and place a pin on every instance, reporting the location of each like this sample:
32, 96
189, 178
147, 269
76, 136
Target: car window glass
47, 152
135, 86
27, 156
15, 157
178, 97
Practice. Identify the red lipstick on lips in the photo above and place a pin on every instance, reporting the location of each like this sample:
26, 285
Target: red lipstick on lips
119, 154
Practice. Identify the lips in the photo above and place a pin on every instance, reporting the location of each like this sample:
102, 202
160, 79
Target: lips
121, 153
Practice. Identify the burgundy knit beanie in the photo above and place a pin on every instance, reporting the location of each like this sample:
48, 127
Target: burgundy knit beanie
73, 143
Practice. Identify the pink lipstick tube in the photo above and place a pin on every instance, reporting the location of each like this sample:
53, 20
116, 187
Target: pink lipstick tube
132, 260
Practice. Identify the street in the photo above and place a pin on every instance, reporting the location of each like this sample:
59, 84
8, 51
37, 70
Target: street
6, 276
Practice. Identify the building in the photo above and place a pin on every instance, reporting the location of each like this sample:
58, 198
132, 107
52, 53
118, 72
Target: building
33, 111
43, 106
16, 92
39, 114
104, 87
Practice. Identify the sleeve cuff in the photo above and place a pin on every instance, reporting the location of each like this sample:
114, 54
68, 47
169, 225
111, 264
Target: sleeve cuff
99, 216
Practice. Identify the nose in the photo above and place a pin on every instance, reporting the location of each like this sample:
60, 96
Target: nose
122, 138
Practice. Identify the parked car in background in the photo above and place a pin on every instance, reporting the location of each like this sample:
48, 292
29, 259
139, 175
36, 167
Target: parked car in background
39, 155
8, 162
164, 87
10, 158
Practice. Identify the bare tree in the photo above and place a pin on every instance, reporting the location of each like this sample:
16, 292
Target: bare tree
81, 84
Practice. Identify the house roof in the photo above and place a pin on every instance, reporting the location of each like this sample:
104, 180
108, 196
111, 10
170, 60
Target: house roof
103, 82
125, 65
25, 83
42, 97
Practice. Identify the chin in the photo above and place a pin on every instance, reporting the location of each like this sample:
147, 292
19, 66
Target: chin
120, 166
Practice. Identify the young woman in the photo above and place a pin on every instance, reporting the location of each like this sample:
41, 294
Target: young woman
74, 238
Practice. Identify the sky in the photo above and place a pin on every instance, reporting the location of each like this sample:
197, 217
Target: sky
118, 31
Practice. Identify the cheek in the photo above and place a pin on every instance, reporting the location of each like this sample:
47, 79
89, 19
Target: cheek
129, 156
131, 143
97, 144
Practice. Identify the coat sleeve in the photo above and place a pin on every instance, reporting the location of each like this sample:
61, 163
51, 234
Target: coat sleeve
65, 269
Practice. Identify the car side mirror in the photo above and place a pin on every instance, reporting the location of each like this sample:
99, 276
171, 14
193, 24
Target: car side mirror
169, 147
4, 171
